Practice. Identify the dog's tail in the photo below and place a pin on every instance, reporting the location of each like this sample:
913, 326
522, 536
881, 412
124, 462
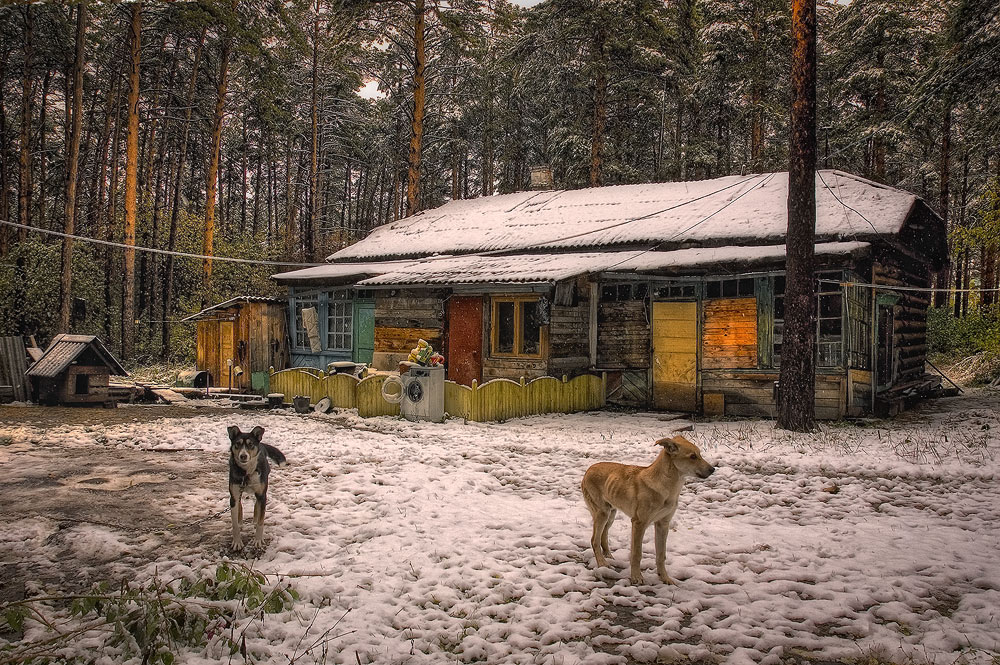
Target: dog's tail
274, 454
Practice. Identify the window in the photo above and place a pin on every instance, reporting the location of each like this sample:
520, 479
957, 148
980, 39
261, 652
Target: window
730, 288
518, 326
301, 303
859, 315
677, 290
339, 319
623, 292
829, 321
82, 384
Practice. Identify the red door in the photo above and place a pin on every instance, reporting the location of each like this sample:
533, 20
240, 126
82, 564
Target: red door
465, 339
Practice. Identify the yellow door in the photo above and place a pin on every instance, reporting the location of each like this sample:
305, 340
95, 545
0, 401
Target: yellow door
225, 351
675, 356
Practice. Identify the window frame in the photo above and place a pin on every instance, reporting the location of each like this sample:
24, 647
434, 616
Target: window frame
518, 352
336, 299
323, 300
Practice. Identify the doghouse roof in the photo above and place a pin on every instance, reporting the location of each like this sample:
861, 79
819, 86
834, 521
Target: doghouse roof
728, 211
65, 349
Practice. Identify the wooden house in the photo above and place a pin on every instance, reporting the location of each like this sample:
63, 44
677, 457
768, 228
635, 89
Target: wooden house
676, 290
74, 369
240, 339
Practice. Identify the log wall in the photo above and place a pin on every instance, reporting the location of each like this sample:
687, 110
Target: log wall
623, 335
910, 313
569, 335
729, 333
404, 318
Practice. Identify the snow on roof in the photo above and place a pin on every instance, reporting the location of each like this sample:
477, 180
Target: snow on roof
548, 268
230, 303
341, 271
729, 210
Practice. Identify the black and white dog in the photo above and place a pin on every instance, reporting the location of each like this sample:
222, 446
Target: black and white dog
248, 471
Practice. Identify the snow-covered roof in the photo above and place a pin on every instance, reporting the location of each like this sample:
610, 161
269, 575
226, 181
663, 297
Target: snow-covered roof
731, 210
231, 302
550, 268
346, 272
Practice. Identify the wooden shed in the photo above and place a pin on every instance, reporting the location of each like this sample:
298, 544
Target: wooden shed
675, 290
240, 339
74, 369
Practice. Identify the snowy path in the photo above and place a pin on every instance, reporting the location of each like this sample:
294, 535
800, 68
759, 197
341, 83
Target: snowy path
469, 542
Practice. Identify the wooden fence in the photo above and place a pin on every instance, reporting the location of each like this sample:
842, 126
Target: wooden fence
495, 400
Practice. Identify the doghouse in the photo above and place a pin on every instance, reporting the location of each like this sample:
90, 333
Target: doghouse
240, 339
75, 369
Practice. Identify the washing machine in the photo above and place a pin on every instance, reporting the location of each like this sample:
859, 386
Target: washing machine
419, 393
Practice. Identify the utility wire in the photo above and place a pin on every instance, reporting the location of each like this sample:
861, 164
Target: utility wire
152, 250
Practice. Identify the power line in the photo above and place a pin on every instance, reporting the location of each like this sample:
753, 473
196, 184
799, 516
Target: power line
886, 287
153, 250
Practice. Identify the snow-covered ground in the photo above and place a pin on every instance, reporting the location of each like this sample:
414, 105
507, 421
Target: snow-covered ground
469, 542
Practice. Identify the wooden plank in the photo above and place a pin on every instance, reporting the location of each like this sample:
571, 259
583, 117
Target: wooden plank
675, 359
402, 340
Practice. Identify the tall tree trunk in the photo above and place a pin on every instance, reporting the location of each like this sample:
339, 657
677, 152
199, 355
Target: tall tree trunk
66, 283
112, 219
942, 278
600, 112
314, 141
4, 156
243, 192
419, 100
797, 393
168, 286
290, 239
27, 93
213, 170
131, 187
256, 192
42, 149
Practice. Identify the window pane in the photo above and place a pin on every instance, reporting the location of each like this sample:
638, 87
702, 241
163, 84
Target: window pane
505, 327
609, 293
339, 320
530, 335
746, 286
730, 288
714, 289
641, 291
829, 305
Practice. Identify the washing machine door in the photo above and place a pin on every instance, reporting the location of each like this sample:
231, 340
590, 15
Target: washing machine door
415, 391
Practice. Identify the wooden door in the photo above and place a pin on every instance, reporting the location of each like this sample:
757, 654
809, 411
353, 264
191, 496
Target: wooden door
464, 355
226, 352
364, 331
675, 356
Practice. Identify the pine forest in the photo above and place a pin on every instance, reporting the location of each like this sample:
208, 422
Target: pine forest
280, 131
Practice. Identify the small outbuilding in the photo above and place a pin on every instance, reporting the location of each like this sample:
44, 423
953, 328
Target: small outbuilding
75, 369
240, 339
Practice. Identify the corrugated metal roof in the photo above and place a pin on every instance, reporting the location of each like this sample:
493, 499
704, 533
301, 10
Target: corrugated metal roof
231, 302
340, 271
550, 268
725, 211
64, 349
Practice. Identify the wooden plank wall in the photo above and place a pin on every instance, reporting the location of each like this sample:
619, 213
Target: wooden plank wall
752, 394
569, 335
13, 365
910, 331
623, 335
729, 333
403, 318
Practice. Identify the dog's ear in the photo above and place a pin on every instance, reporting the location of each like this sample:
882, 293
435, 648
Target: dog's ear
257, 432
234, 432
669, 445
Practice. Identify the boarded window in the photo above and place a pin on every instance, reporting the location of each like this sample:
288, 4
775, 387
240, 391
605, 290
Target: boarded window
729, 335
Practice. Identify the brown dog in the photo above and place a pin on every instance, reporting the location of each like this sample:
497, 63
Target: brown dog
647, 494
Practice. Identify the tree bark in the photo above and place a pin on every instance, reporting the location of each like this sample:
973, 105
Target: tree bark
168, 286
4, 184
419, 100
213, 171
27, 93
942, 278
797, 392
314, 141
42, 150
131, 188
69, 223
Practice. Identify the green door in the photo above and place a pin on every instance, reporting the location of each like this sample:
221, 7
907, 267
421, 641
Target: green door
364, 331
